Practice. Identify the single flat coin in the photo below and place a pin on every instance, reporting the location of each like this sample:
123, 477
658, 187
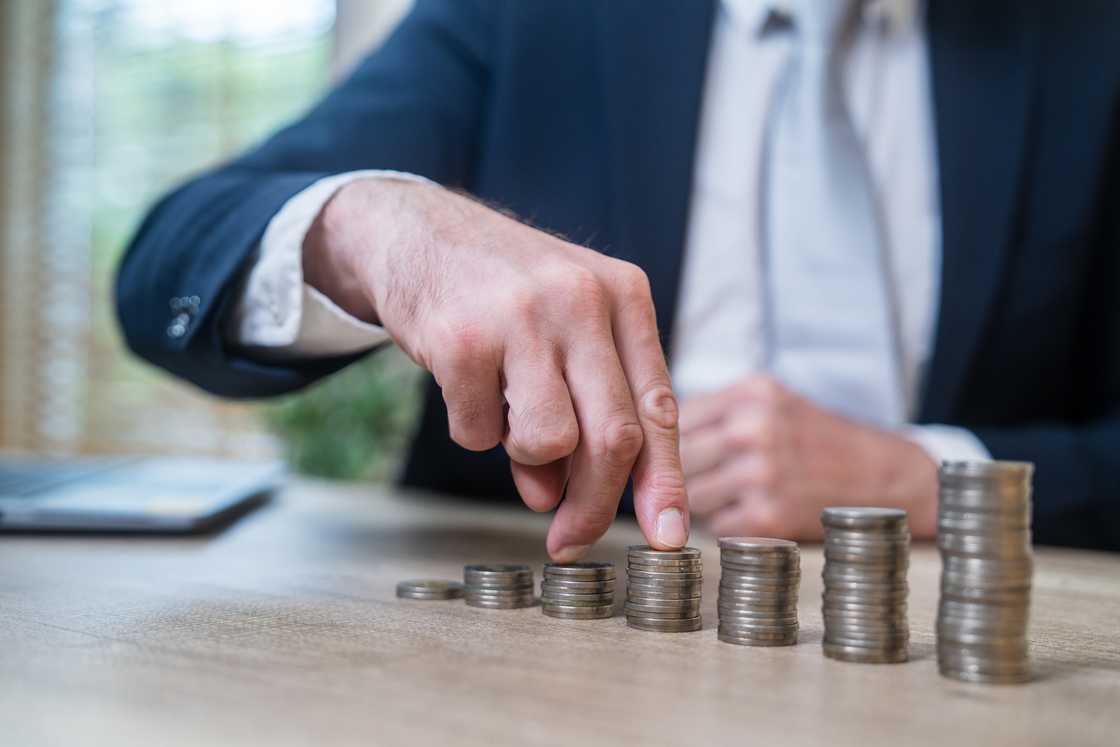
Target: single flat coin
667, 577
769, 601
471, 591
502, 604
755, 627
758, 545
696, 571
664, 626
863, 517
748, 641
979, 678
663, 594
646, 610
506, 569
582, 602
570, 610
647, 554
578, 586
587, 570
430, 589
860, 655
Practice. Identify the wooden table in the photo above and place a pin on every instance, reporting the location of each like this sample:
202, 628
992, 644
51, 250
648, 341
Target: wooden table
284, 629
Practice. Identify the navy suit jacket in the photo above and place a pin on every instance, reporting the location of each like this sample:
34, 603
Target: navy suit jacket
582, 118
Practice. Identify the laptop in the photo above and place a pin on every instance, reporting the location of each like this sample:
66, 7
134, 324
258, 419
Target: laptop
131, 494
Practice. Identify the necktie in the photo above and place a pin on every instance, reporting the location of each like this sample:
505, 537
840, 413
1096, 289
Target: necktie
831, 327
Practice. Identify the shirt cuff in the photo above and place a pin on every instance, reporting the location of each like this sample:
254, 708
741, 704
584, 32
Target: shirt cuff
278, 315
946, 443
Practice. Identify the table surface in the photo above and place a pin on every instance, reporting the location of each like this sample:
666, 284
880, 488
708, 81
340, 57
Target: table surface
284, 629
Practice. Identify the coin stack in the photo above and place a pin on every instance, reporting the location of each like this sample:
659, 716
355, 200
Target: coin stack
663, 589
430, 589
578, 591
758, 587
498, 586
984, 534
866, 553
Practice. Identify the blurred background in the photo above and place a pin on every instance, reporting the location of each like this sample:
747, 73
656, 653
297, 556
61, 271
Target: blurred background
104, 105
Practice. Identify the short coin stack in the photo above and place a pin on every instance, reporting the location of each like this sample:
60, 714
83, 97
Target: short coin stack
758, 587
430, 589
498, 586
663, 589
578, 591
984, 534
867, 554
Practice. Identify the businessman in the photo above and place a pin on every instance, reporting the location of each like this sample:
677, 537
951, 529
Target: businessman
869, 235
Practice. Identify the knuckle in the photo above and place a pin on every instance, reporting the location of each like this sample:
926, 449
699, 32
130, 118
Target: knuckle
547, 440
659, 405
765, 387
619, 440
459, 347
633, 282
767, 476
584, 291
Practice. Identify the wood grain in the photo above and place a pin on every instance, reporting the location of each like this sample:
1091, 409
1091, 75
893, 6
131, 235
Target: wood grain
284, 630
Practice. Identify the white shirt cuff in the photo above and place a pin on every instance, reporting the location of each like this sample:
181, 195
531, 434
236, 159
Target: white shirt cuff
279, 316
946, 443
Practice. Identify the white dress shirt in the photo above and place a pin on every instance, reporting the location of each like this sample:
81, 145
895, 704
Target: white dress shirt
718, 336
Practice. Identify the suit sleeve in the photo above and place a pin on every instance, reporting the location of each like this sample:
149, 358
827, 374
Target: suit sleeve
1077, 475
414, 106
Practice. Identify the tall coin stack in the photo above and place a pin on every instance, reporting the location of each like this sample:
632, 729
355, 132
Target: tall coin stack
663, 589
758, 587
984, 534
500, 587
578, 591
866, 556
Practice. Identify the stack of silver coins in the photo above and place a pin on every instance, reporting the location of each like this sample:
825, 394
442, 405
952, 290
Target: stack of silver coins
578, 591
430, 589
758, 586
663, 589
984, 534
866, 556
501, 587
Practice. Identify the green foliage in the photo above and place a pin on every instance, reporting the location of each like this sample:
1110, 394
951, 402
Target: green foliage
355, 424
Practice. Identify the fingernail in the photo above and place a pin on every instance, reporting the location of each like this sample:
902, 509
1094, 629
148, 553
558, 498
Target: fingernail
570, 554
670, 531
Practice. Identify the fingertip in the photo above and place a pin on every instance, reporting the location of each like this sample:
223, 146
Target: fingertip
670, 530
569, 554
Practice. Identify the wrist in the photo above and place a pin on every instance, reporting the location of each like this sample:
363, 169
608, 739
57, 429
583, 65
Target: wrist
330, 250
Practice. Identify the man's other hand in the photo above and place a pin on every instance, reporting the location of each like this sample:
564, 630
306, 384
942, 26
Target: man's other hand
548, 348
759, 459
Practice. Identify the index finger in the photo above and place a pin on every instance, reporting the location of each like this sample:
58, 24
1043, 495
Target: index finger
660, 499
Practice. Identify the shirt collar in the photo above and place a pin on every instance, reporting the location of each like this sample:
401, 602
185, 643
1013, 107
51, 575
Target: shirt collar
896, 16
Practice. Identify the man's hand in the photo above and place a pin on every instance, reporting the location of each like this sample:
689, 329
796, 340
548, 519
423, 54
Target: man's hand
548, 348
759, 459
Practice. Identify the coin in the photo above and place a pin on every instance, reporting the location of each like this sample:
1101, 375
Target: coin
686, 625
862, 655
645, 553
576, 612
503, 586
876, 518
984, 536
430, 589
587, 571
663, 589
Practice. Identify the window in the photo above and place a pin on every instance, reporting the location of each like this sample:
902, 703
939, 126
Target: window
111, 102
